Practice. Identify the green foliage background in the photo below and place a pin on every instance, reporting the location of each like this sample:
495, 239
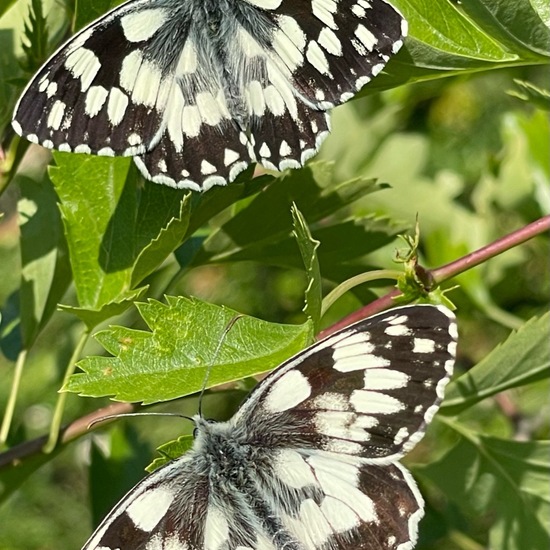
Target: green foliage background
456, 131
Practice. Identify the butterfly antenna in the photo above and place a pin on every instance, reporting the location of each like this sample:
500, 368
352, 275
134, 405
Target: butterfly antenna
125, 415
212, 362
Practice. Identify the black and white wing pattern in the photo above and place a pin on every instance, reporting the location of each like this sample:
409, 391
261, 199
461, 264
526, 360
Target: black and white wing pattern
196, 90
309, 460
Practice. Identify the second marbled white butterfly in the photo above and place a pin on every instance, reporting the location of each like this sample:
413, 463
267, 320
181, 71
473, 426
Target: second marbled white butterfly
196, 90
310, 459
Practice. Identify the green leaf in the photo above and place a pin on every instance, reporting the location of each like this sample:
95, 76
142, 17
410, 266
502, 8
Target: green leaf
517, 25
172, 360
506, 481
448, 38
45, 271
86, 12
36, 34
540, 97
522, 359
251, 235
171, 450
308, 249
6, 5
94, 203
118, 234
93, 317
162, 222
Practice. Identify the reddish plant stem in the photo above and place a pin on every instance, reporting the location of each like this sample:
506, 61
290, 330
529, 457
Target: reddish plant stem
491, 250
446, 272
13, 457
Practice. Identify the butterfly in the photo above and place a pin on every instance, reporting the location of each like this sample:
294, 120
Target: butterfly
196, 90
310, 459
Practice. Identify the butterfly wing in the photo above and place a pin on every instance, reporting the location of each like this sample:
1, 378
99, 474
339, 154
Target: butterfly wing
196, 91
138, 82
315, 56
160, 512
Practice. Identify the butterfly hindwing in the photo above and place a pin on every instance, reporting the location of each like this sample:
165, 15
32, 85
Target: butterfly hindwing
196, 90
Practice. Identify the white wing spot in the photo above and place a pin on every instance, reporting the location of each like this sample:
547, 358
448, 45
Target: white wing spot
293, 470
43, 84
134, 139
150, 507
329, 41
400, 436
358, 11
397, 320
209, 108
274, 100
256, 98
116, 106
385, 379
191, 121
187, 63
288, 391
230, 156
55, 116
285, 149
333, 484
324, 10
371, 402
266, 4
207, 168
51, 90
265, 152
95, 99
344, 425
216, 529
142, 24
317, 526
340, 516
289, 42
366, 37
249, 47
83, 64
423, 345
317, 58
398, 330
331, 401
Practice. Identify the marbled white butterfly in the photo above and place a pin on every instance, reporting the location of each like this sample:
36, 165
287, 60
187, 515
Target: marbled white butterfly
309, 460
196, 90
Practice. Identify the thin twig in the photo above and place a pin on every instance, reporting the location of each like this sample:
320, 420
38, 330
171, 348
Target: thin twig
14, 456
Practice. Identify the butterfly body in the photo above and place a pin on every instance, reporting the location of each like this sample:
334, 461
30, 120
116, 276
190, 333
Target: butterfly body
196, 90
309, 460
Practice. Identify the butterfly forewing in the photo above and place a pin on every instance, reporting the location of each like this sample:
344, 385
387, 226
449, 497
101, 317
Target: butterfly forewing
368, 390
196, 90
308, 462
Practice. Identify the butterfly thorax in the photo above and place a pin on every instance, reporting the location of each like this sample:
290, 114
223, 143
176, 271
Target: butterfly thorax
222, 453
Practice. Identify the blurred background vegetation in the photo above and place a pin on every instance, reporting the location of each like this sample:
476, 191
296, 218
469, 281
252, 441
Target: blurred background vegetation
464, 153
